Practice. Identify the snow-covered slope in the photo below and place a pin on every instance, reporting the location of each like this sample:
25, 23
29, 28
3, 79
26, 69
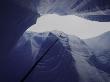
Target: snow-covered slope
82, 53
100, 47
51, 57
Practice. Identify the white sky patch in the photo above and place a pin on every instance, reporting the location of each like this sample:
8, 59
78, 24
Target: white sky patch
70, 24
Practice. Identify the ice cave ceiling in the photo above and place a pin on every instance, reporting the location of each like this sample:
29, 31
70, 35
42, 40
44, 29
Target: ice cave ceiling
91, 9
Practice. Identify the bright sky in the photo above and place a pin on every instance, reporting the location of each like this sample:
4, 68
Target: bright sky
70, 24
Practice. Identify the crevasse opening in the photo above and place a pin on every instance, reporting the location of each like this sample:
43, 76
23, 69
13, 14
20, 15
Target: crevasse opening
70, 24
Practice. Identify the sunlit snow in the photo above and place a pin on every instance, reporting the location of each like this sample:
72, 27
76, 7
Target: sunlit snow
70, 24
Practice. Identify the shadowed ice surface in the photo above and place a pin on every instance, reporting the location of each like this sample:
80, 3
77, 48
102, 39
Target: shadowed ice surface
60, 58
